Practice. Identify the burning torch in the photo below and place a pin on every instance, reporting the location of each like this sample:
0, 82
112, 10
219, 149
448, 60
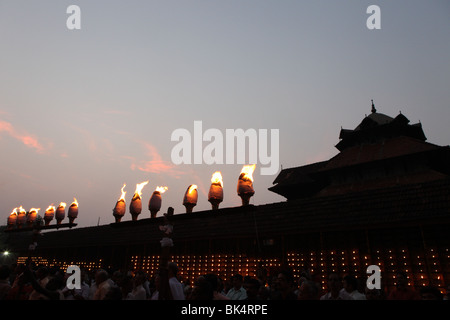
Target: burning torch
49, 214
154, 204
119, 209
21, 217
245, 184
32, 216
73, 211
60, 213
136, 203
12, 219
215, 195
190, 198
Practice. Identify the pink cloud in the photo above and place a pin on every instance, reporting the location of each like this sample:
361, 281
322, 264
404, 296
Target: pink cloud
22, 136
155, 164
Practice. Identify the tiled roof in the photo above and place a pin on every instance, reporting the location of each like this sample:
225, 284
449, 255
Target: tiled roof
386, 149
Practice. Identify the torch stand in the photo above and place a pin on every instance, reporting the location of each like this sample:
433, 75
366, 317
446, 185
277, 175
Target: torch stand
215, 203
153, 213
164, 291
189, 207
246, 198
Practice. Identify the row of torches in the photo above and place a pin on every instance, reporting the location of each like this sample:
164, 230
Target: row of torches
215, 195
21, 218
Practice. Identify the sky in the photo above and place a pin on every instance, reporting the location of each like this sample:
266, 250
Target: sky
84, 111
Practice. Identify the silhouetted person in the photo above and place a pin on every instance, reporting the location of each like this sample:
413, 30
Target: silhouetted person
334, 289
351, 287
202, 290
237, 292
402, 291
176, 288
5, 286
215, 284
309, 290
252, 286
284, 289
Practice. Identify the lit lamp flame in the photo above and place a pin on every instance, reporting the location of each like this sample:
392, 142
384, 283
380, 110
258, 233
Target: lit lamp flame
245, 184
32, 215
190, 198
21, 217
154, 204
49, 214
60, 213
136, 204
12, 219
215, 195
119, 209
73, 211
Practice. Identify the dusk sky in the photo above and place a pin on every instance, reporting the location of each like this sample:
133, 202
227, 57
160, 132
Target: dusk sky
84, 111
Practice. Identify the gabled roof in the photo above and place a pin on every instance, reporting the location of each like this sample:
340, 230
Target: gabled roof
380, 150
378, 126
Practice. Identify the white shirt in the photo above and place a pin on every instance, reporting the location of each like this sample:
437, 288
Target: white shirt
83, 292
356, 295
343, 295
102, 289
176, 288
239, 294
138, 293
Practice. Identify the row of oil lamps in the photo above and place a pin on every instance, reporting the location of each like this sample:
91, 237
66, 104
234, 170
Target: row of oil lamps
21, 218
215, 196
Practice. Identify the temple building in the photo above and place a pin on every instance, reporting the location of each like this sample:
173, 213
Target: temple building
384, 199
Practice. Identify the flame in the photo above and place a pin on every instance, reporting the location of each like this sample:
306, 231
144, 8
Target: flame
14, 212
122, 196
75, 202
35, 210
217, 178
139, 188
192, 188
247, 172
161, 189
50, 208
22, 210
63, 205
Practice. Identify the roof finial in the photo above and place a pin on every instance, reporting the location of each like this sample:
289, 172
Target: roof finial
373, 108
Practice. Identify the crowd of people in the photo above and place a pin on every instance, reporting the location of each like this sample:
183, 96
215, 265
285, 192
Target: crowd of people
27, 282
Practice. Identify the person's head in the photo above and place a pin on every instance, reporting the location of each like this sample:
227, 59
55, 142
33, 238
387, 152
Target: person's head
285, 280
236, 281
309, 290
101, 276
172, 268
334, 282
202, 290
54, 283
350, 283
251, 286
213, 280
42, 272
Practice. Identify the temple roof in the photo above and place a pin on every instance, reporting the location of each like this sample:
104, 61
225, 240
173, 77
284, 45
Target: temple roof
378, 126
379, 142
